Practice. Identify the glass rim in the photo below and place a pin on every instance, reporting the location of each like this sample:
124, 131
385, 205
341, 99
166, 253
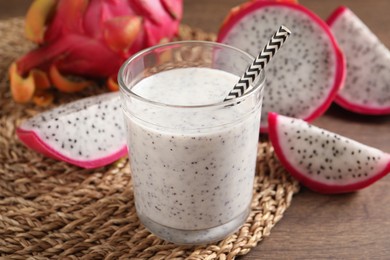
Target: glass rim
122, 84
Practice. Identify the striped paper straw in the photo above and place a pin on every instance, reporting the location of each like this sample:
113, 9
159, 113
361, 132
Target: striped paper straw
266, 54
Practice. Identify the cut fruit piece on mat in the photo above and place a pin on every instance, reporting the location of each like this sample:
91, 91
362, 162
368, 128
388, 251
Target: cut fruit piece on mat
324, 161
304, 77
89, 133
367, 84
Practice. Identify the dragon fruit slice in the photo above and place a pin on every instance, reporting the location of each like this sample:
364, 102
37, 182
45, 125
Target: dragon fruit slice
324, 161
303, 79
88, 133
367, 84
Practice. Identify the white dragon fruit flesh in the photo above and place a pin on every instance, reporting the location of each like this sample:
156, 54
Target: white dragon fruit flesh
324, 161
367, 83
304, 77
89, 132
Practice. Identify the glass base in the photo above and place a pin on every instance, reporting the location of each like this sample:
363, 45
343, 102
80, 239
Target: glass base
194, 237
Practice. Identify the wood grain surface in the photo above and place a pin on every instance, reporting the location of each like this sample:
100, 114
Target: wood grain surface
350, 226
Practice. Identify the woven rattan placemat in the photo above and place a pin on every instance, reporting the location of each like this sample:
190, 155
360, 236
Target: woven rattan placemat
49, 209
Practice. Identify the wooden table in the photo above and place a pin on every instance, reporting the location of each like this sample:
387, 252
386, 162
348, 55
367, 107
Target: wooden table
350, 226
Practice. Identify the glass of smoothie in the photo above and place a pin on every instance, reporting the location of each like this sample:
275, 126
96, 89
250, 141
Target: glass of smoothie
192, 155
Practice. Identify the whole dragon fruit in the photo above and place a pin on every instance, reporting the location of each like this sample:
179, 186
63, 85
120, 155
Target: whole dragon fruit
88, 38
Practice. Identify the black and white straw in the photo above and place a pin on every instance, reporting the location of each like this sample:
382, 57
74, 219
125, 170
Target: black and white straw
266, 54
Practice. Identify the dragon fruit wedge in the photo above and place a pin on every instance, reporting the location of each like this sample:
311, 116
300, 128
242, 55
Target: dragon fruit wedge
304, 77
88, 132
90, 37
367, 84
324, 161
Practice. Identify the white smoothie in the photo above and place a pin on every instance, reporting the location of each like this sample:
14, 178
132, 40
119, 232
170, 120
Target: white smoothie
192, 168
